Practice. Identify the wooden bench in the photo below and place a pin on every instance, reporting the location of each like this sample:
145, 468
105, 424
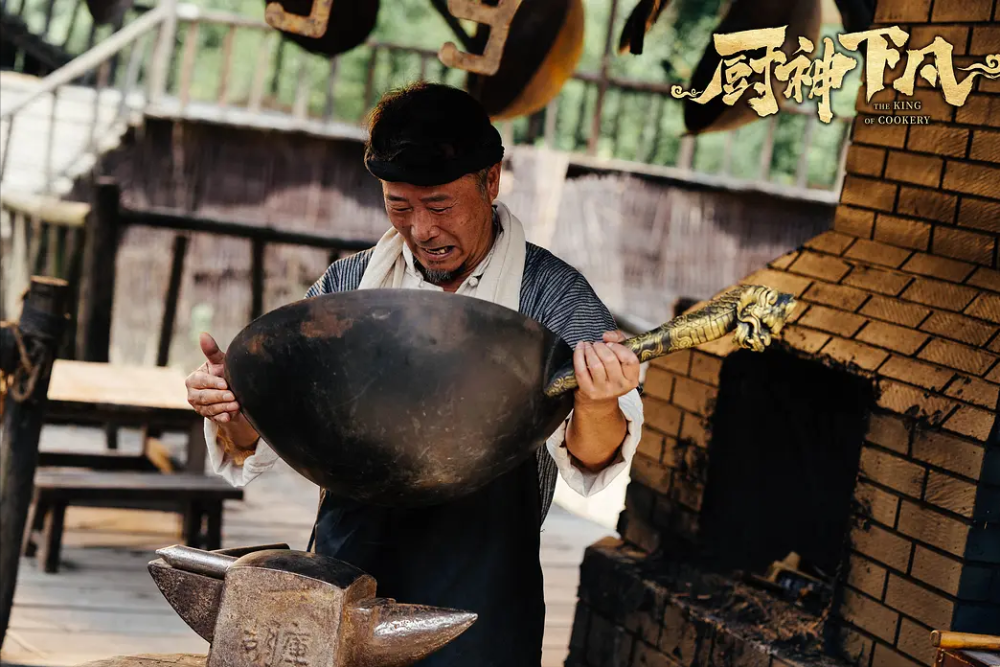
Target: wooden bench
150, 398
197, 496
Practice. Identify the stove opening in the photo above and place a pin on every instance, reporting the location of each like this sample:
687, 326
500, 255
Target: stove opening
783, 459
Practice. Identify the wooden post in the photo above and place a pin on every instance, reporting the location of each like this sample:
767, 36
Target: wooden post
42, 320
802, 169
331, 86
257, 279
685, 156
370, 80
767, 151
551, 122
170, 302
97, 291
602, 86
163, 53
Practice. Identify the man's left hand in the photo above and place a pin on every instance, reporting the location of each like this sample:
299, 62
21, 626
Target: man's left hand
604, 370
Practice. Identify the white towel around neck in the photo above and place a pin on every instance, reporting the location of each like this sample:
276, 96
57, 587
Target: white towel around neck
500, 283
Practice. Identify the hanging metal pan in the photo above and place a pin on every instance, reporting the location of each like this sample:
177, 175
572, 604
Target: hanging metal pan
542, 50
405, 397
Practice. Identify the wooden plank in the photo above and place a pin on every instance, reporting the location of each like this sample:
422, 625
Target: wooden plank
109, 384
107, 460
52, 210
67, 483
269, 234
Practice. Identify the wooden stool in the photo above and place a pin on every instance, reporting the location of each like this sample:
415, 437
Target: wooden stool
199, 497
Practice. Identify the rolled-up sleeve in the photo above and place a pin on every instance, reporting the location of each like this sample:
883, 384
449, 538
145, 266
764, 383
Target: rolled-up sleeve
223, 465
588, 483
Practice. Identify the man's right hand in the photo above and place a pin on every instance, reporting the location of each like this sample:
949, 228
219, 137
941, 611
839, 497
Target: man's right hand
209, 395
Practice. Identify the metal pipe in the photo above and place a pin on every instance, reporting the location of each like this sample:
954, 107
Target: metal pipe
189, 559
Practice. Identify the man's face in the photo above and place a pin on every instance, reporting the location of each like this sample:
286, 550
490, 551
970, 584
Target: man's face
448, 228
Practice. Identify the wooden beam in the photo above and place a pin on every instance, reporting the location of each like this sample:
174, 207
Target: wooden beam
170, 220
257, 278
98, 288
171, 299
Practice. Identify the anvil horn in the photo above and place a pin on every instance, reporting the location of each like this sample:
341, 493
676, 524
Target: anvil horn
389, 634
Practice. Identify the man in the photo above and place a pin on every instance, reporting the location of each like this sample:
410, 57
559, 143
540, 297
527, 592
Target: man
438, 159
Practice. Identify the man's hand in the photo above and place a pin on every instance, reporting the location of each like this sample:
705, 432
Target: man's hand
605, 371
209, 395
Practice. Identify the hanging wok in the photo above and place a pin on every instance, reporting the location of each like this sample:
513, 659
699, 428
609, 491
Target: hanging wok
408, 398
542, 50
347, 26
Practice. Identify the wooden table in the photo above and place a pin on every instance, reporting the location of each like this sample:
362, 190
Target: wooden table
152, 398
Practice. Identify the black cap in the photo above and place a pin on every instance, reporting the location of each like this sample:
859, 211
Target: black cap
430, 134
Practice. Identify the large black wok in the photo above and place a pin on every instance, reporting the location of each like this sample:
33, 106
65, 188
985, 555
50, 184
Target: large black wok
408, 397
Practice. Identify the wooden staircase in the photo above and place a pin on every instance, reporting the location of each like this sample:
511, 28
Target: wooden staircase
56, 139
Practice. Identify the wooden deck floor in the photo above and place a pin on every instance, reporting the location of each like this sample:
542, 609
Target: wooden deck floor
103, 602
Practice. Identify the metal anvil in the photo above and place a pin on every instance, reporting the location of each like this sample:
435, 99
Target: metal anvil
267, 606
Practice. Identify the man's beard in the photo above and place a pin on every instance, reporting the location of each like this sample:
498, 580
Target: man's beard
436, 277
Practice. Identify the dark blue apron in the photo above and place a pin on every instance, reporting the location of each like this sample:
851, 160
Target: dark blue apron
479, 553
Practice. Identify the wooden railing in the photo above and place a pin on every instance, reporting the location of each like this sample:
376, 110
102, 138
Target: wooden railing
254, 69
95, 69
79, 243
67, 24
44, 238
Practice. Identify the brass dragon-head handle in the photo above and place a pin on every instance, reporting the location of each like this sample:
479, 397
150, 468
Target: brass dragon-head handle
754, 312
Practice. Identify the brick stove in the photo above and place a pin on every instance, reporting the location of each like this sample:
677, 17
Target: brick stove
866, 440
